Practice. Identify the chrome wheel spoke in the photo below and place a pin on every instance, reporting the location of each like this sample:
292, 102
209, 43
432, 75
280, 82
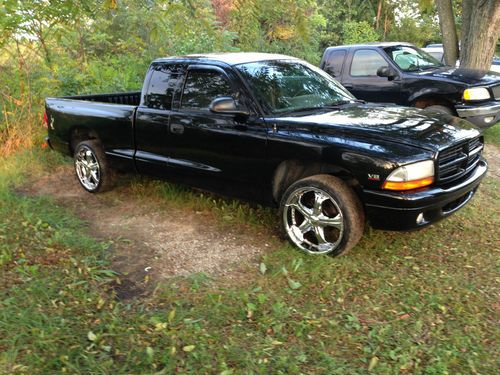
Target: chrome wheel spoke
88, 157
305, 227
306, 212
93, 175
336, 222
93, 166
319, 198
319, 232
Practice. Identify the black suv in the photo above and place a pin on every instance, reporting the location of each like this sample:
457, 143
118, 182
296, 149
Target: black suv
404, 74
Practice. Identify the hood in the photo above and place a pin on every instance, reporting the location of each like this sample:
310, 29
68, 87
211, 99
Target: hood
469, 77
411, 126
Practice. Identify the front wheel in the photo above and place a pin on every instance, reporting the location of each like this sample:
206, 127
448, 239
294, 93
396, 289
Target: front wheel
439, 109
91, 167
322, 215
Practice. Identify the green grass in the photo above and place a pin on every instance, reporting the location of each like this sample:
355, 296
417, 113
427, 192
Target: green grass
492, 135
423, 302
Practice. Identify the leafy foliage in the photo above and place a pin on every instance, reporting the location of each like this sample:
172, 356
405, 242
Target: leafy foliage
359, 32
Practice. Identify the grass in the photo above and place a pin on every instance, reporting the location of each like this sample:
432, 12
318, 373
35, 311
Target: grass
423, 302
492, 135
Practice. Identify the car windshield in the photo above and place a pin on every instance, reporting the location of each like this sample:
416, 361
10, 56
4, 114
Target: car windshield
286, 86
411, 59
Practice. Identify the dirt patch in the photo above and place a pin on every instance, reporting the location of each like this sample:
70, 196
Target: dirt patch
151, 241
492, 155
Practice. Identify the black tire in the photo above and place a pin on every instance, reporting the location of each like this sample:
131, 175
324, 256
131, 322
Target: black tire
340, 207
91, 167
440, 109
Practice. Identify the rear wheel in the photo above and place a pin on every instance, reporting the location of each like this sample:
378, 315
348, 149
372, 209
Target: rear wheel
322, 215
91, 167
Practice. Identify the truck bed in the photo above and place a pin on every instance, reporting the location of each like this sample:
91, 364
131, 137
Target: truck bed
127, 98
110, 116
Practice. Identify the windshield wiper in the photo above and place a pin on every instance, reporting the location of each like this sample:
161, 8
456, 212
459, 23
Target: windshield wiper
343, 102
421, 69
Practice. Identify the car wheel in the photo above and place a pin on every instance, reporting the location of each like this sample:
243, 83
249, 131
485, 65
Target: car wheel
439, 109
92, 170
322, 215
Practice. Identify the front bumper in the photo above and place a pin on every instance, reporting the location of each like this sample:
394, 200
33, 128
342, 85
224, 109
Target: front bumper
415, 209
483, 115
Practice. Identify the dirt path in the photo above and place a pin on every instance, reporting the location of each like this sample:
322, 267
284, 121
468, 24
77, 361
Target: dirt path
152, 241
492, 155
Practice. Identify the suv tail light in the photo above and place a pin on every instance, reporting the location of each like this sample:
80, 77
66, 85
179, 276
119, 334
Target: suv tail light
45, 120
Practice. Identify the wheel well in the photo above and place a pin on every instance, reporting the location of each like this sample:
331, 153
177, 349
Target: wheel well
290, 171
427, 101
80, 134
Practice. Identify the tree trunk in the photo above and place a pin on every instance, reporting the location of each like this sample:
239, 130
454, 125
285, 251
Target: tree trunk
448, 31
379, 14
480, 32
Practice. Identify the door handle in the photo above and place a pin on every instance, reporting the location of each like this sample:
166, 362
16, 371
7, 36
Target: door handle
176, 128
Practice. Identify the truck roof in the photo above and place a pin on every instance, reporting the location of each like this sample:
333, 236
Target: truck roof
374, 44
230, 58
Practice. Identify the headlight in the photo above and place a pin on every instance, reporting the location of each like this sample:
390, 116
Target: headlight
476, 93
411, 176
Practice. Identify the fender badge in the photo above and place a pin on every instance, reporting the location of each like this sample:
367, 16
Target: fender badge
52, 123
373, 177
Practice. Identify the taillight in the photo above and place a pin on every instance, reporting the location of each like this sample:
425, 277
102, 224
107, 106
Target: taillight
45, 120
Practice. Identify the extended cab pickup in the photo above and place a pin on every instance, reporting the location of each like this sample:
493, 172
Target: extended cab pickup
252, 123
403, 74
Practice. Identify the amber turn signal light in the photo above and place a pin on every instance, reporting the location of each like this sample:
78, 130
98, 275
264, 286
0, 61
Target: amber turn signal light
407, 185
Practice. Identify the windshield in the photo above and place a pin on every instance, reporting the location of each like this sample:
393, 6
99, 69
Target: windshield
411, 59
285, 86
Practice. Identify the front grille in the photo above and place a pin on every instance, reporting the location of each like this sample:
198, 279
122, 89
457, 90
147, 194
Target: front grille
496, 92
458, 160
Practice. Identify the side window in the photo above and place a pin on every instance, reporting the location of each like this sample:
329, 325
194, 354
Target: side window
202, 87
163, 83
334, 62
365, 62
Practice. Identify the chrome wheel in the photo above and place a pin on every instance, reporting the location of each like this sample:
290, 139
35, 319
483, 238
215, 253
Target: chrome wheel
313, 220
87, 168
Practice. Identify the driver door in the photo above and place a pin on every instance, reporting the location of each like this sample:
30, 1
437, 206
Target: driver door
362, 81
204, 143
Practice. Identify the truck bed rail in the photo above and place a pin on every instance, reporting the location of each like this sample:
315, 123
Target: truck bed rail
128, 98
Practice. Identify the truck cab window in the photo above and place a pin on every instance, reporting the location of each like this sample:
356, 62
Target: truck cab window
335, 61
162, 86
202, 87
365, 62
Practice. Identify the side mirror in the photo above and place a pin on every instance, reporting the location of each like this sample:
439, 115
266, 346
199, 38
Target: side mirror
227, 105
385, 71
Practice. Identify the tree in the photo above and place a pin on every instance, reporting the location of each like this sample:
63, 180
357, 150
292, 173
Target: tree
448, 31
479, 34
359, 32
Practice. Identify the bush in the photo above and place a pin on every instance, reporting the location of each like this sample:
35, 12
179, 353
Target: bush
359, 32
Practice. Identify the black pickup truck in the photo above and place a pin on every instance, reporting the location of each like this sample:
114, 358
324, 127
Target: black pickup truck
403, 74
274, 125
